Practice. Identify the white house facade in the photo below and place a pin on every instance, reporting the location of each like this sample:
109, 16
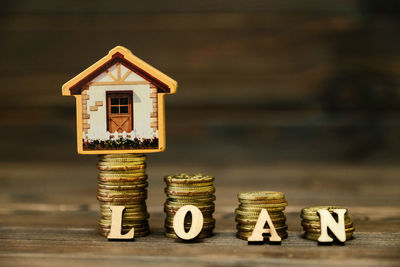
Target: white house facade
96, 108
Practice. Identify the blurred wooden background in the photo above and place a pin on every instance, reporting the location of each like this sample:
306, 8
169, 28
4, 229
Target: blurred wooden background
300, 96
284, 80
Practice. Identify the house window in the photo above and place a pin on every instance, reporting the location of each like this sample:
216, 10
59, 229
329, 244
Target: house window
119, 105
119, 112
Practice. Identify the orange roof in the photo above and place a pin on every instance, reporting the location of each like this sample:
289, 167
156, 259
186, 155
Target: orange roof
124, 56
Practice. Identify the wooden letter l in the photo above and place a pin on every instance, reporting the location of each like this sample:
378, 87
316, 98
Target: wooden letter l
116, 224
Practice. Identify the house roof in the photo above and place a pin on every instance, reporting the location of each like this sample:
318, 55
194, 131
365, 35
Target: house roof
120, 54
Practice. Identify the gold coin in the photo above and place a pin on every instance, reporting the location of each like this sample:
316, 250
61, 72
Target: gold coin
206, 220
254, 221
188, 194
315, 218
190, 189
258, 208
246, 228
124, 187
192, 199
120, 178
120, 201
203, 210
126, 221
129, 212
136, 223
123, 160
123, 156
129, 216
185, 178
190, 185
282, 203
209, 224
126, 214
317, 224
121, 167
128, 207
251, 213
261, 195
187, 227
120, 193
312, 211
127, 173
171, 204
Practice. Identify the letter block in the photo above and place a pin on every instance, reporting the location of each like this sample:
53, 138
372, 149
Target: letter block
116, 222
179, 222
337, 228
259, 230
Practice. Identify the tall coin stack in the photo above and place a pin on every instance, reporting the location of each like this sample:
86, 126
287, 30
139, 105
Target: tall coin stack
190, 189
250, 207
123, 182
312, 224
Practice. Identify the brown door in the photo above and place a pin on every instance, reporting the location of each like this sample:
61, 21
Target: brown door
119, 112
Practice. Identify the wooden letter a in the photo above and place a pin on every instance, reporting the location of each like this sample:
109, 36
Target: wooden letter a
116, 224
337, 228
259, 230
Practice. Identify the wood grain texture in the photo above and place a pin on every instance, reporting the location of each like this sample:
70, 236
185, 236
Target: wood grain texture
86, 247
49, 216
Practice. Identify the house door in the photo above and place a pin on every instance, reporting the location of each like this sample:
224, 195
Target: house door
119, 112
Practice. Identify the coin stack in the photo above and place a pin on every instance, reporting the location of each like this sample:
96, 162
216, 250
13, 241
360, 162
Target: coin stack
190, 189
251, 204
123, 182
312, 225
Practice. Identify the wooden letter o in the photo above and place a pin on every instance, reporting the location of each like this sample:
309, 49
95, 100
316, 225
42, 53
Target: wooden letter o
179, 222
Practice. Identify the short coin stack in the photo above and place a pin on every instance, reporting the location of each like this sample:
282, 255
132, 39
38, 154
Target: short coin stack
190, 189
312, 225
123, 182
251, 204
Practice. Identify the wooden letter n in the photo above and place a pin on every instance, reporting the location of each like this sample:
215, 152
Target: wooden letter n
337, 228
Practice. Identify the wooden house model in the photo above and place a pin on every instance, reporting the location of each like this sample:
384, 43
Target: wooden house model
120, 105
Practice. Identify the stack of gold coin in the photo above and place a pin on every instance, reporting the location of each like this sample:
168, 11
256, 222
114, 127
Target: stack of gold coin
123, 182
190, 189
251, 204
312, 224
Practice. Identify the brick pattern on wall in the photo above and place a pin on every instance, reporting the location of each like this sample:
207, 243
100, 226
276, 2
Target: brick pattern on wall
96, 106
154, 113
85, 114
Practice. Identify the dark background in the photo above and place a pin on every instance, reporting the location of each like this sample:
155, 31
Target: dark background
261, 81
297, 96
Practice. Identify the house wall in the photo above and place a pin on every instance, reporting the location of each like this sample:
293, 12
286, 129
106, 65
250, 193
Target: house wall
94, 107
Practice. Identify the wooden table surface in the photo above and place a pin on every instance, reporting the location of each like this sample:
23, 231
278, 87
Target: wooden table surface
300, 96
49, 214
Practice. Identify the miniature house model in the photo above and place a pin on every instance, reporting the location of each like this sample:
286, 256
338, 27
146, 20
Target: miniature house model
120, 105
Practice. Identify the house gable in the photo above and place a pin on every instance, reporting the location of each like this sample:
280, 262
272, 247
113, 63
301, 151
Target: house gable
118, 73
126, 59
